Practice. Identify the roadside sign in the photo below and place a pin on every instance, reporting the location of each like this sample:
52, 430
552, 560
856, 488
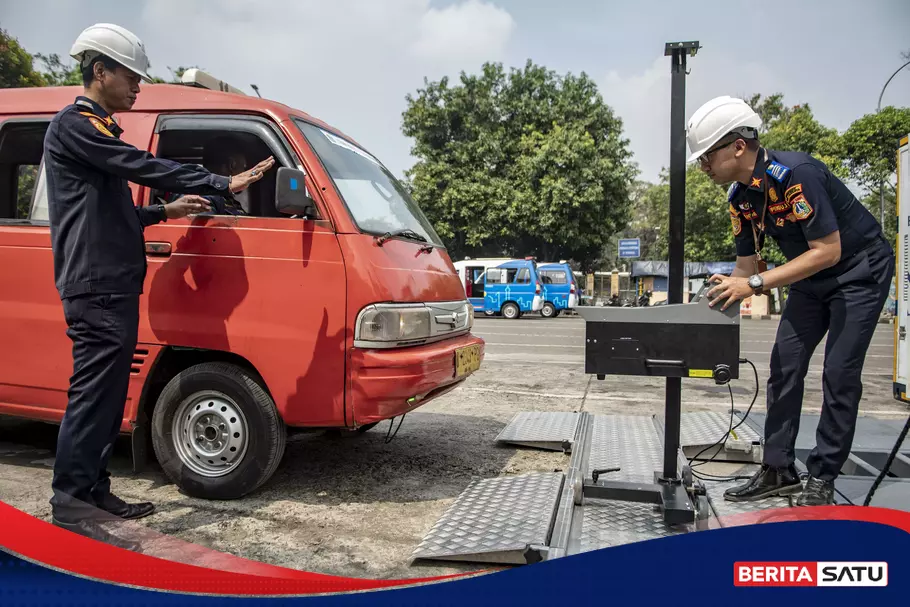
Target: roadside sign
629, 247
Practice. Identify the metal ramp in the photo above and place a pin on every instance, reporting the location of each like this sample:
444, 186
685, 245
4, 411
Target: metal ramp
555, 431
541, 516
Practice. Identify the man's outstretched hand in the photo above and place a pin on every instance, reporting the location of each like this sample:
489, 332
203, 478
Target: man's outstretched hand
242, 181
186, 205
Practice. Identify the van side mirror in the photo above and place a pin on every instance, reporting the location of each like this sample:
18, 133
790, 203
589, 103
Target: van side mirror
291, 196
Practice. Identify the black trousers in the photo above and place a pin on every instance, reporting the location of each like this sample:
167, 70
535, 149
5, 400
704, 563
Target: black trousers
103, 329
847, 307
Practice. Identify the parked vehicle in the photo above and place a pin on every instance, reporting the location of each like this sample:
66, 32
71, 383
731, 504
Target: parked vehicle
560, 292
331, 304
471, 274
512, 289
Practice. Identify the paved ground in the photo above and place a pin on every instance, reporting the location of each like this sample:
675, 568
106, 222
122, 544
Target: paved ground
358, 506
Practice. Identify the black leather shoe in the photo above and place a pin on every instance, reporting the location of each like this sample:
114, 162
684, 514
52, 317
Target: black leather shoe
92, 529
116, 506
767, 482
817, 493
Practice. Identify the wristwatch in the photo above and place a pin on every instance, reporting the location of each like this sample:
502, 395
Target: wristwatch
162, 210
756, 282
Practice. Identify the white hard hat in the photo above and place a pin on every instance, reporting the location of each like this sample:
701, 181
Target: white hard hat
116, 42
717, 118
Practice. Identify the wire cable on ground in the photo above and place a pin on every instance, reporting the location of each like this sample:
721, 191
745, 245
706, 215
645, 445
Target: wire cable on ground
884, 472
389, 439
723, 440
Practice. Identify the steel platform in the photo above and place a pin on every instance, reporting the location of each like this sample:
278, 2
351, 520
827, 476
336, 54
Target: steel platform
541, 516
555, 431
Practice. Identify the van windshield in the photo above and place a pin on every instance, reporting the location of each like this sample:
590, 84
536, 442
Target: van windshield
378, 203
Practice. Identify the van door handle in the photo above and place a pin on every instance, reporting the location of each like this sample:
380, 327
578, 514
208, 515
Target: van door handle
158, 249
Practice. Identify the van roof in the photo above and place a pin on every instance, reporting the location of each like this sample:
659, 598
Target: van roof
516, 263
153, 98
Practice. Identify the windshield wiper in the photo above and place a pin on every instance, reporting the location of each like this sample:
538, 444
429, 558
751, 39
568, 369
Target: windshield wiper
405, 233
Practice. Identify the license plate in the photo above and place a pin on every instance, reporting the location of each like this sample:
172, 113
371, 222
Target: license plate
467, 360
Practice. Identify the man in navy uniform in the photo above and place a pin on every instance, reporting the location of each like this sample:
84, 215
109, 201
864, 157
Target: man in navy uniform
839, 268
100, 265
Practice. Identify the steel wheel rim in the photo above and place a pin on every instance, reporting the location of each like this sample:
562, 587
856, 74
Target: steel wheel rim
210, 434
548, 310
510, 312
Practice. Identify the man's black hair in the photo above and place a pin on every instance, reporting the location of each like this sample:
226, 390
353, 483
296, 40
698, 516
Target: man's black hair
88, 72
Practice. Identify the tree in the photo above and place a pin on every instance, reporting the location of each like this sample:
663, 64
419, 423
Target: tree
56, 73
16, 65
524, 163
796, 129
870, 146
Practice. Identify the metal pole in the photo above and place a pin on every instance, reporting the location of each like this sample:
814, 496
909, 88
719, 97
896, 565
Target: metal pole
673, 405
881, 182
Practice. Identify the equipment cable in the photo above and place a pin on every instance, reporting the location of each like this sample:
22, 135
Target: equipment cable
389, 439
884, 472
723, 440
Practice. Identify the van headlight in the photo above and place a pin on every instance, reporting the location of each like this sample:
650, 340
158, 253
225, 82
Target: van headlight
394, 323
389, 325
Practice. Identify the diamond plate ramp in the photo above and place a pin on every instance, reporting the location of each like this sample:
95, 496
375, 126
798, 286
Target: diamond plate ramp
496, 520
701, 429
629, 442
554, 431
606, 523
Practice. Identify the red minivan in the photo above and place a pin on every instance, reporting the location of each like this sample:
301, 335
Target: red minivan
331, 303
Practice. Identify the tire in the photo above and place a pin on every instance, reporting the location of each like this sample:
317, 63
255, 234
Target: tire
213, 397
548, 310
511, 311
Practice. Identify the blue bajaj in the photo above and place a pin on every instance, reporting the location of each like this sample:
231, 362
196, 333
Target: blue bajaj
559, 289
511, 289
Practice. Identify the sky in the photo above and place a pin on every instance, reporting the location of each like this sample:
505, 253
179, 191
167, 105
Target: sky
351, 63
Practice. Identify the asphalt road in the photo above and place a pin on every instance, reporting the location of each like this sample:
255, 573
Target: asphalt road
358, 506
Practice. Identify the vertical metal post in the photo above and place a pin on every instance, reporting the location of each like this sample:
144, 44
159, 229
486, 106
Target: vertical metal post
673, 406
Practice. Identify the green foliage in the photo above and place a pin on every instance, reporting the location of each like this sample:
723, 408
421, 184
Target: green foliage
16, 66
56, 73
870, 146
25, 186
520, 163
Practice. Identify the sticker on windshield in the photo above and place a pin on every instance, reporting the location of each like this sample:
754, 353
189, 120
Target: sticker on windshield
344, 144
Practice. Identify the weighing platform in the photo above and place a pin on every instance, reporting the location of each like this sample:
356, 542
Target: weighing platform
533, 517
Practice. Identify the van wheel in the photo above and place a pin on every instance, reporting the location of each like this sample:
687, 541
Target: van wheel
510, 311
216, 432
548, 310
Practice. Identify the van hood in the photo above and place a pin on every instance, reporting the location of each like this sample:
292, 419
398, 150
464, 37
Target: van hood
396, 272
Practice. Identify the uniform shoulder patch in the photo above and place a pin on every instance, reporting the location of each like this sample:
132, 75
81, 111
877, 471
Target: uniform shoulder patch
801, 207
98, 123
737, 224
733, 190
792, 192
778, 171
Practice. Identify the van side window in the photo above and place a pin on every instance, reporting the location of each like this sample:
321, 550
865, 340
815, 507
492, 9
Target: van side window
494, 276
21, 149
520, 276
553, 277
226, 147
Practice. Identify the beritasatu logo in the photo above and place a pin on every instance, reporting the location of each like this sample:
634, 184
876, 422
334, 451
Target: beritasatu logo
811, 573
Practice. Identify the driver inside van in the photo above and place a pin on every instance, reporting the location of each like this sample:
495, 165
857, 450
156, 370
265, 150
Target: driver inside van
219, 154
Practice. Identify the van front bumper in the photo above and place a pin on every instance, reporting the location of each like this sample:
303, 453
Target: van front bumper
388, 383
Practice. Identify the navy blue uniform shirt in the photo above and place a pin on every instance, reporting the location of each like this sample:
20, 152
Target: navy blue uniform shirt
96, 231
805, 201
